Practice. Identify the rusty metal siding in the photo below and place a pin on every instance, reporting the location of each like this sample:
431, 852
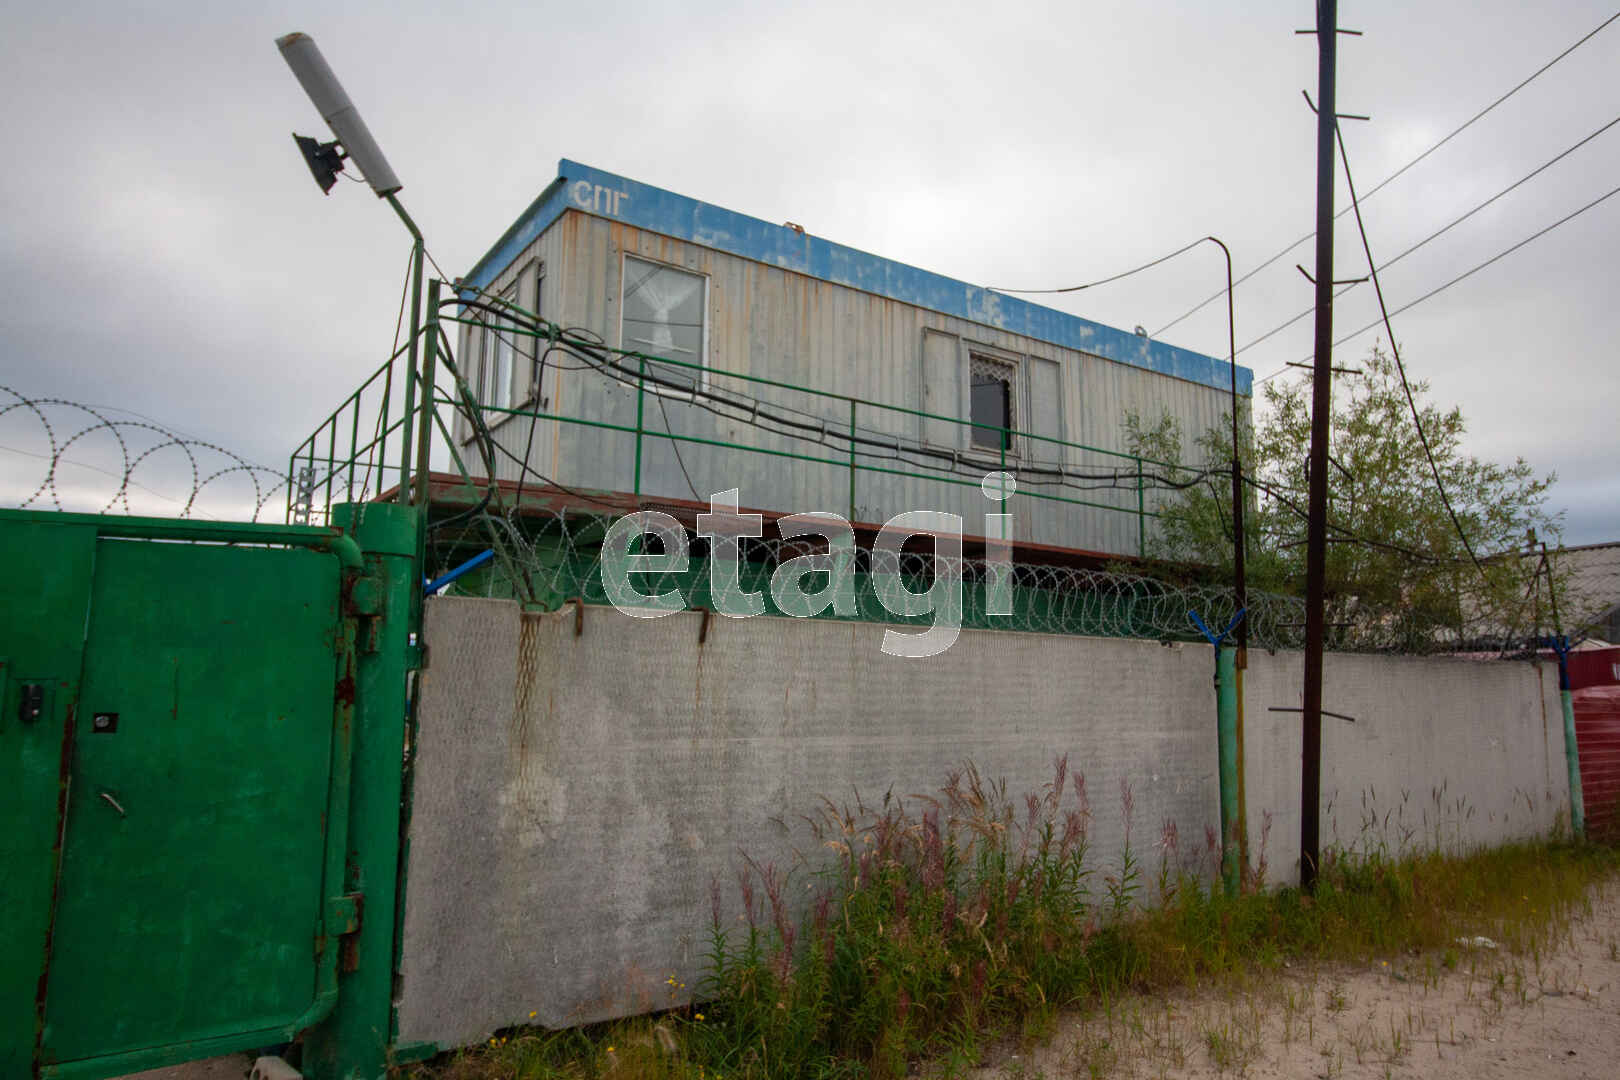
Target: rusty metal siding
666, 213
771, 322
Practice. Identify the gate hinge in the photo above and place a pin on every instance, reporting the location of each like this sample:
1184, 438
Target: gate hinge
343, 913
342, 921
363, 595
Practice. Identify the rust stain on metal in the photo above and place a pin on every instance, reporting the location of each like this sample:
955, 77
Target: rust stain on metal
64, 784
349, 939
349, 953
528, 662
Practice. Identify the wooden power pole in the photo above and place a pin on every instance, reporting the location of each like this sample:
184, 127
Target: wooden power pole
1327, 34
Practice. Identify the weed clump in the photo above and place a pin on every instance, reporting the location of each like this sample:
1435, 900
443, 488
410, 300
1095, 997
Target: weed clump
941, 922
930, 927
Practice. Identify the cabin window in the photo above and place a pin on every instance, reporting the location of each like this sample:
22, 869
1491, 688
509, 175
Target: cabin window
663, 314
534, 348
499, 353
991, 402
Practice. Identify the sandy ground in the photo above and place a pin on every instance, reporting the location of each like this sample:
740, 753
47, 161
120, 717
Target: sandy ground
230, 1067
1493, 1015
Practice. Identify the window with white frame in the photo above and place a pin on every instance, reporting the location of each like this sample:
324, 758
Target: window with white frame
663, 313
992, 402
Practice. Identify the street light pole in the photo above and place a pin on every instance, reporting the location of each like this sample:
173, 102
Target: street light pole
1240, 587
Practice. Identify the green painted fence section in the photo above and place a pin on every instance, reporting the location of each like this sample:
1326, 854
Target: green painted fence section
175, 784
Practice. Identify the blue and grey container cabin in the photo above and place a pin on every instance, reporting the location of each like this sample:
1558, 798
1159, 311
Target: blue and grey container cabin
782, 339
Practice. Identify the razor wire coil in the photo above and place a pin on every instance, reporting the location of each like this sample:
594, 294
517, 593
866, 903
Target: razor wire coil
140, 446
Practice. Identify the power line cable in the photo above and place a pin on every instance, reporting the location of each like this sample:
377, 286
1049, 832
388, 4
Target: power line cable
1383, 183
1106, 280
1443, 229
1470, 273
1346, 533
675, 448
1400, 367
735, 407
487, 442
1465, 274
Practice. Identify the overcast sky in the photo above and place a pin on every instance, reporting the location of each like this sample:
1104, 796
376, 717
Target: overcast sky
168, 253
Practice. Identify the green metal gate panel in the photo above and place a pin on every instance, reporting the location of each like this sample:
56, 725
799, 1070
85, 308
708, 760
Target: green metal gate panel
174, 788
41, 637
191, 882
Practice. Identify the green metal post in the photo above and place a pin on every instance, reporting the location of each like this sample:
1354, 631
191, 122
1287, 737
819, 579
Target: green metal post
381, 449
410, 378
1572, 755
331, 460
292, 486
354, 447
416, 333
1141, 515
641, 405
852, 465
352, 1044
424, 434
1226, 735
1572, 750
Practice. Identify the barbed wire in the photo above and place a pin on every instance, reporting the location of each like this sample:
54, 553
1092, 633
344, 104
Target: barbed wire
545, 558
63, 425
549, 558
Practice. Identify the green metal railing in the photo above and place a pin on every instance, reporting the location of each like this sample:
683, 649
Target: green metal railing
346, 459
324, 472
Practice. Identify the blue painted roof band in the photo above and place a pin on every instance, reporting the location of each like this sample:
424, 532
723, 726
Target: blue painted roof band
604, 194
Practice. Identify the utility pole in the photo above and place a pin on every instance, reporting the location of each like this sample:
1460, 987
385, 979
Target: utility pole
1240, 588
1327, 34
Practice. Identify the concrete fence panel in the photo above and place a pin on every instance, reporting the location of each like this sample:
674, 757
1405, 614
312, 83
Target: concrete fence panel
583, 781
1442, 752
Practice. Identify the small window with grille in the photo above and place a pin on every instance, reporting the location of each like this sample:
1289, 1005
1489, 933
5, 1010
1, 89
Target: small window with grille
991, 402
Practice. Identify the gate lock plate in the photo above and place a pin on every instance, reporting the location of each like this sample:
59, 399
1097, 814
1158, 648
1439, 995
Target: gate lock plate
31, 702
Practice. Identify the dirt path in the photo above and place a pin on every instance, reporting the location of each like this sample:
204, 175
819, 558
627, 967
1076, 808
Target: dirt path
1493, 1015
230, 1067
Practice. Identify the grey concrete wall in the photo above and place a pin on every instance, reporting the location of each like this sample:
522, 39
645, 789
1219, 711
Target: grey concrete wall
575, 796
1442, 753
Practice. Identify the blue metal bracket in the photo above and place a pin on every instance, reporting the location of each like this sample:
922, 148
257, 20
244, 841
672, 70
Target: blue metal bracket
432, 587
1216, 639
1560, 647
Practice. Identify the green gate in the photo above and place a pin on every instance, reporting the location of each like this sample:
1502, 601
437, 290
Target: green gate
176, 792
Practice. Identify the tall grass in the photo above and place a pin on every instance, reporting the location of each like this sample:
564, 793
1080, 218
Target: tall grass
942, 921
